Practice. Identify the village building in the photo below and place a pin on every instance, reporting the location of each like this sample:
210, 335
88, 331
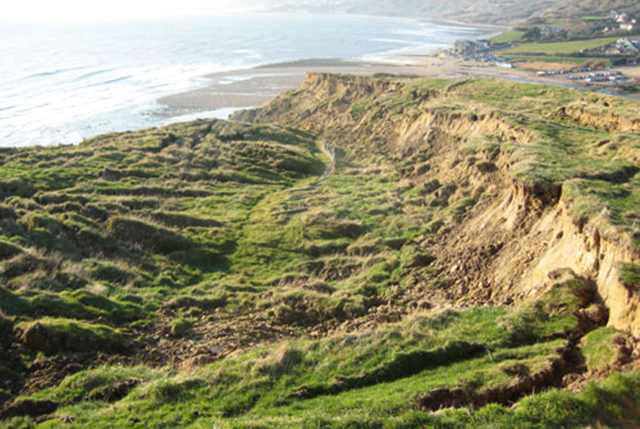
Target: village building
627, 27
552, 32
627, 47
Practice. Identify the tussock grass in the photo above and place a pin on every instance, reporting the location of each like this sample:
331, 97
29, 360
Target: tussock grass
53, 336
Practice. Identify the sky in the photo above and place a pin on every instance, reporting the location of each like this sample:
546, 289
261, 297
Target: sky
101, 10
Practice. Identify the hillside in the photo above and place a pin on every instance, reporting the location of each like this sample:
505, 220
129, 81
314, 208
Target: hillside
362, 252
579, 18
494, 12
586, 18
591, 8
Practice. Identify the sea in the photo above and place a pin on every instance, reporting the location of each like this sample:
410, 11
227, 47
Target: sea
62, 83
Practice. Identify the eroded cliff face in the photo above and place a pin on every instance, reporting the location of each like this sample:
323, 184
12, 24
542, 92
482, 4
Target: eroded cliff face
601, 119
531, 241
522, 229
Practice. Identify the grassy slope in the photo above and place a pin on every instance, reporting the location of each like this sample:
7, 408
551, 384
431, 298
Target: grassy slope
584, 22
586, 151
497, 12
258, 388
109, 232
118, 225
508, 37
591, 8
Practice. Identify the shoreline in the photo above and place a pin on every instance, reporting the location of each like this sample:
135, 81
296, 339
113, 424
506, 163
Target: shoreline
243, 89
256, 86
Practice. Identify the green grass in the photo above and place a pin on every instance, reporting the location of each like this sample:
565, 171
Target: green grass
53, 336
630, 275
508, 37
598, 348
212, 240
561, 59
560, 48
367, 375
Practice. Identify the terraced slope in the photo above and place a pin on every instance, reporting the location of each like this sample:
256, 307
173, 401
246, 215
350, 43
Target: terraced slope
363, 252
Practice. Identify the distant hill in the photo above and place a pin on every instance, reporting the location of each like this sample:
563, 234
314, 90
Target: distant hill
584, 18
581, 8
494, 12
580, 18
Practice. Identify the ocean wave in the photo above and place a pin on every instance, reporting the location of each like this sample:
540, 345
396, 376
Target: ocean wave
110, 81
95, 73
389, 40
50, 73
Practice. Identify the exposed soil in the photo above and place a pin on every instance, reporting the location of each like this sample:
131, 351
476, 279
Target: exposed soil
549, 376
627, 358
28, 407
114, 392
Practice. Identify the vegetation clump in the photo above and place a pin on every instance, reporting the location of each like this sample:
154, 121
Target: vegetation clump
52, 336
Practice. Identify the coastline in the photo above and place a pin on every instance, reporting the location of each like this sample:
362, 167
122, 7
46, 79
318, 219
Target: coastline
66, 98
250, 88
257, 86
243, 89
234, 90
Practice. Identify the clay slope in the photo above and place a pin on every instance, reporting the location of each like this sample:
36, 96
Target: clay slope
514, 175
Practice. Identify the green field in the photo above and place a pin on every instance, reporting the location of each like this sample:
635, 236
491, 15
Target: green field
509, 36
572, 47
547, 59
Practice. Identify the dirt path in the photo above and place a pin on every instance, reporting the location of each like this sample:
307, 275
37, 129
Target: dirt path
218, 334
295, 203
